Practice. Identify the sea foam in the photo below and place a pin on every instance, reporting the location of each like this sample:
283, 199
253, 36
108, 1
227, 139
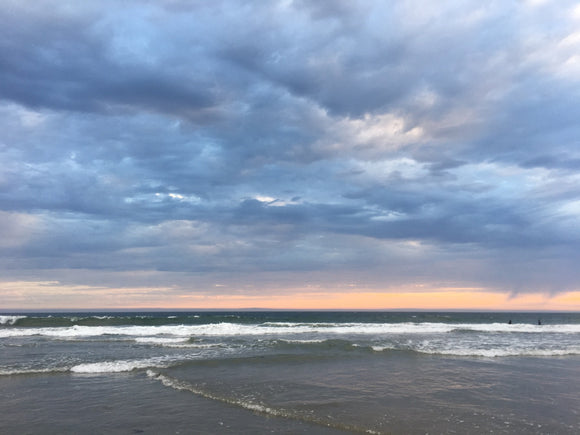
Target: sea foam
120, 366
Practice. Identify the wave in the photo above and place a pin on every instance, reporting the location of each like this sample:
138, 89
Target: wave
236, 329
10, 320
493, 352
47, 321
452, 347
95, 368
256, 407
501, 352
331, 344
161, 340
78, 331
185, 386
212, 330
102, 367
280, 319
179, 342
32, 371
457, 339
121, 366
459, 348
520, 327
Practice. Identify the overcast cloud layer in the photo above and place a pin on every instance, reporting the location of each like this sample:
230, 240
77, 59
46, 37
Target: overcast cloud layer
254, 146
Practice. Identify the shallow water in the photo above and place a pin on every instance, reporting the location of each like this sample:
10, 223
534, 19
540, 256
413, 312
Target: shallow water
402, 373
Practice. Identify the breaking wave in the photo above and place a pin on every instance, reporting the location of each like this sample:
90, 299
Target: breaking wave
120, 366
265, 329
10, 320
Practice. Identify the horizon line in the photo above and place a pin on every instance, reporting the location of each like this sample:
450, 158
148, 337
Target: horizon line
262, 309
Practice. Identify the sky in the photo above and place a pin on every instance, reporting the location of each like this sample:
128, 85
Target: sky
342, 154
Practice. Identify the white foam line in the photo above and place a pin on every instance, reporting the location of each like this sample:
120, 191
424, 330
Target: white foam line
120, 366
302, 341
495, 353
489, 353
234, 329
161, 340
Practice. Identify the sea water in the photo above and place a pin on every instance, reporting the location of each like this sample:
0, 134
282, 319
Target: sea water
290, 372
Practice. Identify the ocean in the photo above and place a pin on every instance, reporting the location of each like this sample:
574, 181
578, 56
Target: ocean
290, 373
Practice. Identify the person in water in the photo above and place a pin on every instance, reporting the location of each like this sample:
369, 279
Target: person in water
539, 321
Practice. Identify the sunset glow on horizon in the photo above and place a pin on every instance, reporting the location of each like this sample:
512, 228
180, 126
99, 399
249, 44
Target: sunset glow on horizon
37, 296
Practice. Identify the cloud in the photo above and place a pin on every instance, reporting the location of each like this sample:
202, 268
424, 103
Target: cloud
250, 144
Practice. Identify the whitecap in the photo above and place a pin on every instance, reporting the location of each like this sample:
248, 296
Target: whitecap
10, 320
119, 366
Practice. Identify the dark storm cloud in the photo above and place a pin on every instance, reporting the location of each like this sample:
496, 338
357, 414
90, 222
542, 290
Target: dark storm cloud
375, 139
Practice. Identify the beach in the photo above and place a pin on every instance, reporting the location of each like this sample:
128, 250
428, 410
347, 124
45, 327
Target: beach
290, 372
